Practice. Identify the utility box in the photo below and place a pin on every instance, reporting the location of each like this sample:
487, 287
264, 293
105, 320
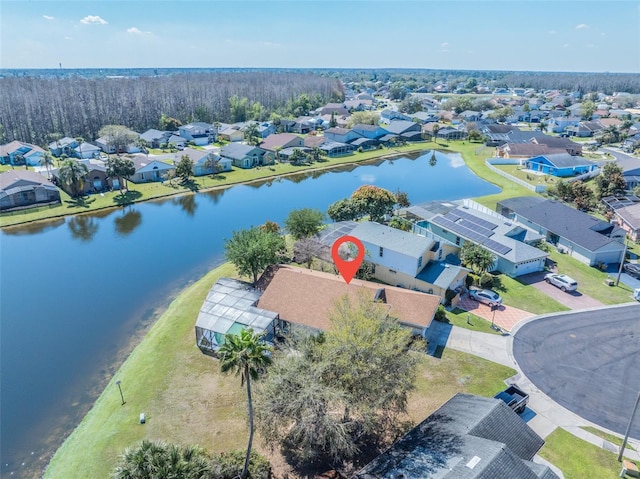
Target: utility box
143, 419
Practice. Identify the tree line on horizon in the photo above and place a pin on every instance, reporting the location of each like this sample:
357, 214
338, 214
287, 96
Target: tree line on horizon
33, 108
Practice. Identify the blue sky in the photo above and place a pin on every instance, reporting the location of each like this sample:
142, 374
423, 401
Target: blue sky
560, 35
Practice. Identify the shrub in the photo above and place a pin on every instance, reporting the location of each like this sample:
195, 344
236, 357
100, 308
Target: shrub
448, 296
468, 281
441, 314
486, 281
228, 465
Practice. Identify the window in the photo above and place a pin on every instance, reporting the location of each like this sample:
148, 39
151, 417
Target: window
419, 261
381, 253
457, 240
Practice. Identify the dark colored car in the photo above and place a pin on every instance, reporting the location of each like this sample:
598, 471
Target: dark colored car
632, 269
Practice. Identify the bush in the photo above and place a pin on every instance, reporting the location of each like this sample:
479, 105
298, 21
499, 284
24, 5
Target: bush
441, 314
228, 465
468, 281
448, 296
486, 281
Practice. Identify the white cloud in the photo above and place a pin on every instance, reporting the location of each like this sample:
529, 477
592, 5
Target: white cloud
137, 31
48, 17
552, 32
68, 38
566, 45
444, 45
582, 26
93, 20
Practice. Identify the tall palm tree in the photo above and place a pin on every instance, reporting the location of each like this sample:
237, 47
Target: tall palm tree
47, 162
79, 141
247, 356
435, 130
72, 174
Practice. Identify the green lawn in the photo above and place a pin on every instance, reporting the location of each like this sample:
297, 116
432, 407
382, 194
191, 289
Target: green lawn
526, 297
591, 280
606, 436
463, 319
578, 459
186, 400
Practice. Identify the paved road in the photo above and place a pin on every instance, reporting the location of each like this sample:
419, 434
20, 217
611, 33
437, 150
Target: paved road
587, 361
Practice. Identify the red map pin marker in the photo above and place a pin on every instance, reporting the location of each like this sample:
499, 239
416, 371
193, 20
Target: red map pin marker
347, 268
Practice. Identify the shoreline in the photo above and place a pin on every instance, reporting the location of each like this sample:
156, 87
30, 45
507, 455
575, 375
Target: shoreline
309, 169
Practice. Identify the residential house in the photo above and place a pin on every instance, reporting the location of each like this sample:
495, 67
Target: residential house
405, 128
574, 232
246, 156
200, 133
280, 141
20, 153
373, 132
205, 162
26, 189
424, 117
104, 144
626, 213
176, 142
470, 115
449, 133
584, 129
304, 299
631, 143
148, 170
470, 437
63, 146
304, 125
525, 150
387, 116
336, 148
231, 134
364, 143
561, 165
337, 108
95, 180
358, 105
86, 151
570, 146
342, 135
558, 124
511, 243
421, 262
154, 138
285, 125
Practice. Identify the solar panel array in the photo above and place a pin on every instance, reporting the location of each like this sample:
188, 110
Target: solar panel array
472, 228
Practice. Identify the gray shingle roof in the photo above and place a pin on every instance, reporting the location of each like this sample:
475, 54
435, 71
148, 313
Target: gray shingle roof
469, 437
236, 151
565, 160
392, 239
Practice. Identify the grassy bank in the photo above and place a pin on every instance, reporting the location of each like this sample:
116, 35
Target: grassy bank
186, 400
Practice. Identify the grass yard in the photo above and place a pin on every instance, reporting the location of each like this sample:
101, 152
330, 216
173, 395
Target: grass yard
578, 459
186, 399
607, 437
591, 280
522, 296
458, 317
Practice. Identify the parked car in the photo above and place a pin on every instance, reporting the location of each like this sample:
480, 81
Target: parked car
636, 294
632, 269
486, 296
515, 398
562, 281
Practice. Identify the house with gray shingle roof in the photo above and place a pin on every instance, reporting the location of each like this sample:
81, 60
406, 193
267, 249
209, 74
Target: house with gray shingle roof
24, 189
20, 153
246, 156
574, 232
468, 437
205, 162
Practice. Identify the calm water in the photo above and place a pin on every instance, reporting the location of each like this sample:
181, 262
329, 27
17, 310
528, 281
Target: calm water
74, 292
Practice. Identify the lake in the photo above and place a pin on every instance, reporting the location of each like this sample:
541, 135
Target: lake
75, 292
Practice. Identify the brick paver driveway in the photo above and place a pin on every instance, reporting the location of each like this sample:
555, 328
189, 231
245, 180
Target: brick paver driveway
504, 316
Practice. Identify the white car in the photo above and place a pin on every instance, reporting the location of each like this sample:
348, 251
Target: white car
562, 281
486, 296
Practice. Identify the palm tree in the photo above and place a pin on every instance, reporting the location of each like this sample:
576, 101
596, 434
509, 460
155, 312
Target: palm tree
247, 356
252, 134
435, 130
72, 174
47, 162
79, 141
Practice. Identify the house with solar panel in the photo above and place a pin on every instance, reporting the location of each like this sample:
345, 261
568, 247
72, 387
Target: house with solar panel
512, 244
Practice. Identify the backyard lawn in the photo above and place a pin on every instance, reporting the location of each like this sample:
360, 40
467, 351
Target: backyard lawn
526, 297
186, 399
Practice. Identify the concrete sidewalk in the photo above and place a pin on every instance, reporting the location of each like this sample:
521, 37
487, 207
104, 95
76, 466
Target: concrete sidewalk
543, 414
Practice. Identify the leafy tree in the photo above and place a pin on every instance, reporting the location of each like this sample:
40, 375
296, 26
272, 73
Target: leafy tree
270, 227
364, 118
342, 210
476, 257
397, 91
304, 222
400, 223
475, 135
583, 196
562, 190
238, 108
159, 460
587, 109
251, 134
332, 121
252, 250
184, 168
72, 174
343, 391
298, 156
402, 199
411, 105
247, 356
316, 154
169, 124
47, 162
373, 201
119, 137
228, 465
121, 168
610, 181
305, 250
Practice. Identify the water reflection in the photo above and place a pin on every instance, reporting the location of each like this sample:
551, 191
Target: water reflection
83, 227
188, 203
433, 161
128, 222
214, 195
34, 228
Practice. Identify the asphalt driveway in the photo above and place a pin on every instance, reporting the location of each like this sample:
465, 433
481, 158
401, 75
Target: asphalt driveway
587, 361
571, 299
